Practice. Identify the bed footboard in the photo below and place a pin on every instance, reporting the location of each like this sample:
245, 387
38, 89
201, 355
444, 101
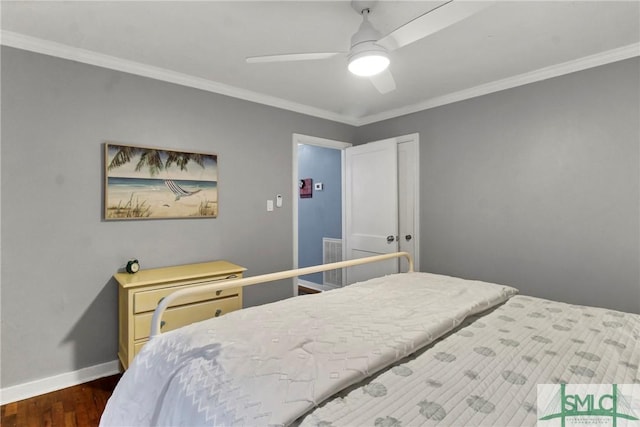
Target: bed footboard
264, 278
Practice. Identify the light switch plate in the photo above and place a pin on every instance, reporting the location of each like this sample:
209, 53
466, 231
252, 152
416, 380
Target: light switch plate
269, 205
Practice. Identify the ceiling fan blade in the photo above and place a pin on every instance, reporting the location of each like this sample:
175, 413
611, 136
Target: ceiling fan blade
384, 81
291, 57
431, 22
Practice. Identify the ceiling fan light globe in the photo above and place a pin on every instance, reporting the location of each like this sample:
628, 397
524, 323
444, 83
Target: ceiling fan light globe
368, 64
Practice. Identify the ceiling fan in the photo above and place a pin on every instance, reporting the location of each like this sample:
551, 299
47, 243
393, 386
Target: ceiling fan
369, 52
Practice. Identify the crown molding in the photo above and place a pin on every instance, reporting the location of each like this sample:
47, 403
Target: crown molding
46, 47
557, 70
33, 44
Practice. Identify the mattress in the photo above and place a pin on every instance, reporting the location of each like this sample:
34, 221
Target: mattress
486, 372
271, 364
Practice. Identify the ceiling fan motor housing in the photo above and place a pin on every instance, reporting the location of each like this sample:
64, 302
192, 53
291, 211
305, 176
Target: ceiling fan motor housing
368, 46
366, 33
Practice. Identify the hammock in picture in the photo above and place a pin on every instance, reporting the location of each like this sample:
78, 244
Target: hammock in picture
177, 190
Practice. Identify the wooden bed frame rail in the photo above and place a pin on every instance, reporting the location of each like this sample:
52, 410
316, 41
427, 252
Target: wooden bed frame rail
264, 278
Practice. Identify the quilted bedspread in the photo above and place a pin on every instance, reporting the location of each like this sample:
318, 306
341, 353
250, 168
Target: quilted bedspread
271, 364
486, 372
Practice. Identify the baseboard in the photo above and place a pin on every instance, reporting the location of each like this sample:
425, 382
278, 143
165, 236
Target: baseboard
57, 382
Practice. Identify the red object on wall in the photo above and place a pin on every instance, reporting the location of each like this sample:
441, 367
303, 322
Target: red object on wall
306, 188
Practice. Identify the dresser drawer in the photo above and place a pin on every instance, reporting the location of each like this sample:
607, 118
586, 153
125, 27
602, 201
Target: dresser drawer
148, 300
180, 316
138, 346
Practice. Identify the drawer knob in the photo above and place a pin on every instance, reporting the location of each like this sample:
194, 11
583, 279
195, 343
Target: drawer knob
232, 276
218, 292
218, 312
162, 323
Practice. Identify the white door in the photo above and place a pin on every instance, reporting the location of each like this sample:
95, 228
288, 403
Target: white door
371, 207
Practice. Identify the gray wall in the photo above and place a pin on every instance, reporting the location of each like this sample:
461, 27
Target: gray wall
321, 215
58, 298
536, 186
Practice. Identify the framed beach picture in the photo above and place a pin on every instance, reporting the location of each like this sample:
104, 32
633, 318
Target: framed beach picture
152, 183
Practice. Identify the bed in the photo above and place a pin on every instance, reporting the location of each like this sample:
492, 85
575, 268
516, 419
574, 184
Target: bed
401, 350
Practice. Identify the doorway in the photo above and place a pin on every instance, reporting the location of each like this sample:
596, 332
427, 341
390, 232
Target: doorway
406, 231
317, 215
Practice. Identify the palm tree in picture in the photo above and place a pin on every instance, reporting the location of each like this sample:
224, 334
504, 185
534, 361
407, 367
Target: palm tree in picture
122, 156
152, 159
182, 159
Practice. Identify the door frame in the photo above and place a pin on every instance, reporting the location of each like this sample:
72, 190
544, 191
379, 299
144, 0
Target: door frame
414, 139
340, 145
320, 142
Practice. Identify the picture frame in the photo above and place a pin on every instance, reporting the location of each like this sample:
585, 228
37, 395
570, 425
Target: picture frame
306, 188
158, 183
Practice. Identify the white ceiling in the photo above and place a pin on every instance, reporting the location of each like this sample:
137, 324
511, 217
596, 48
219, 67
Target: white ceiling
204, 44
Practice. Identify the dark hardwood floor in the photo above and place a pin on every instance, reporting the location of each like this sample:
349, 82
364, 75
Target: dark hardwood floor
303, 290
79, 406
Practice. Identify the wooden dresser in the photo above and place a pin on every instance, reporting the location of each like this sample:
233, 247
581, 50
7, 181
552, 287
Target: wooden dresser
139, 294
